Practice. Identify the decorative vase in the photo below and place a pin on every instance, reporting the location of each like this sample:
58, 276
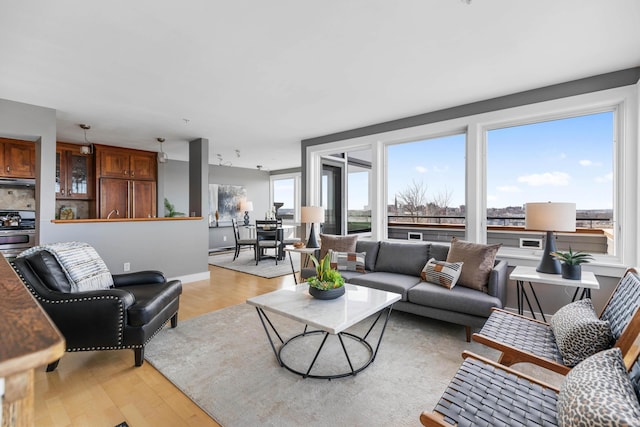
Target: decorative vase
571, 272
332, 293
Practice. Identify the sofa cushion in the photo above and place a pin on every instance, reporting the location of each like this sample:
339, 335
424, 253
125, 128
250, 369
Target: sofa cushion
579, 332
337, 243
441, 273
598, 392
392, 282
402, 258
370, 247
348, 261
459, 299
439, 252
478, 261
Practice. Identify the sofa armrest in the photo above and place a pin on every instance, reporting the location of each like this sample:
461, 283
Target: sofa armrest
138, 278
498, 281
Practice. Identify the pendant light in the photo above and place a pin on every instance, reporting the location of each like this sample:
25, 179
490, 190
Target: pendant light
162, 156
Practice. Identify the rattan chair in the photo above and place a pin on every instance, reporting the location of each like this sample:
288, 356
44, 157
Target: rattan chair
521, 339
485, 393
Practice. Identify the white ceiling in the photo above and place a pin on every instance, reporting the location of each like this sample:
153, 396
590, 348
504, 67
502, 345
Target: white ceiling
259, 76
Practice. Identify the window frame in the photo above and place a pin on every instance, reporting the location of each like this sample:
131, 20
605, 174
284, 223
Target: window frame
622, 100
297, 178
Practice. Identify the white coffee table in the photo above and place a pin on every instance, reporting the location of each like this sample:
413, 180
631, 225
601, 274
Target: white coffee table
330, 317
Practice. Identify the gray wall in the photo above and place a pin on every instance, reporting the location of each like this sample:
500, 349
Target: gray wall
178, 248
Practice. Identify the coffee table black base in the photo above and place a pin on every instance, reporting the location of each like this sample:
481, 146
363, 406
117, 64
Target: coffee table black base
341, 336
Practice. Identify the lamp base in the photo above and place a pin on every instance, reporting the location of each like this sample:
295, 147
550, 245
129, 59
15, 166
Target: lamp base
312, 242
548, 264
246, 218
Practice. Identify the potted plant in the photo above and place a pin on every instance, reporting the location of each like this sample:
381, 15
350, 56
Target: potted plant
571, 263
328, 282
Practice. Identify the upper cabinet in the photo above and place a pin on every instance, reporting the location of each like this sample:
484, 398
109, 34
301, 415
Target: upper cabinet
123, 163
18, 158
74, 173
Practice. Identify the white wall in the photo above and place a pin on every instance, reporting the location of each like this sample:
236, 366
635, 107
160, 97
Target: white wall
178, 248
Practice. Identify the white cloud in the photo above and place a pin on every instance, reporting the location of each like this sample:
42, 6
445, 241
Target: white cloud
555, 179
440, 169
585, 162
421, 169
491, 198
509, 189
605, 178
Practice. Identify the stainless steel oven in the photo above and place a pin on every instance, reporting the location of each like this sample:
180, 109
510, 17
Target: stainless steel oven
17, 232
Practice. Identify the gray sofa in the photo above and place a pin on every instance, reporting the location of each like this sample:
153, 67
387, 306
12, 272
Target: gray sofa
396, 267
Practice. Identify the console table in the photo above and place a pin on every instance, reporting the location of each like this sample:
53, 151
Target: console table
522, 274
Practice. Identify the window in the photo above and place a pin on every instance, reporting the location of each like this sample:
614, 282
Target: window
285, 190
426, 189
565, 160
358, 189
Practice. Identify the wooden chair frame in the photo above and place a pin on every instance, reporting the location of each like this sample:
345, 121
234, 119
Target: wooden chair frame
511, 355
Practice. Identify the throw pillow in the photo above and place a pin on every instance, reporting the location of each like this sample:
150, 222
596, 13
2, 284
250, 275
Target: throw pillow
579, 332
598, 392
478, 262
441, 273
348, 261
337, 243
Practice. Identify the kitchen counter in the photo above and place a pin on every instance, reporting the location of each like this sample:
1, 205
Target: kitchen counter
78, 221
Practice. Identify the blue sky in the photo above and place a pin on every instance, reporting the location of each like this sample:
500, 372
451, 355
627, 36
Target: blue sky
569, 160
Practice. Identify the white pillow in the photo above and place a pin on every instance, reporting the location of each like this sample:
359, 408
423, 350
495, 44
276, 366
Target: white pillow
441, 272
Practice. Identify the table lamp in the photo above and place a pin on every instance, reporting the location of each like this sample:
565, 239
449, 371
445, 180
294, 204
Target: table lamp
247, 207
550, 217
311, 215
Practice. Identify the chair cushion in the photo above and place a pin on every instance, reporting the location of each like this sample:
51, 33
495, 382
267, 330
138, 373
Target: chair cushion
441, 273
579, 332
598, 392
402, 258
151, 300
348, 261
81, 264
458, 299
478, 262
337, 243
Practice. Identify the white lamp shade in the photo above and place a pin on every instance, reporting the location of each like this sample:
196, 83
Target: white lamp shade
247, 206
312, 214
548, 216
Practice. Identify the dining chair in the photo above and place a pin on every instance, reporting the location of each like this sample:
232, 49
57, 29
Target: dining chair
240, 243
268, 236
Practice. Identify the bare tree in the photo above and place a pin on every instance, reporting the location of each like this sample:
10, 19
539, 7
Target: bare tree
442, 199
413, 198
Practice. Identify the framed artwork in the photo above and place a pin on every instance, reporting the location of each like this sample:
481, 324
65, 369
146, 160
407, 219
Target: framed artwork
226, 200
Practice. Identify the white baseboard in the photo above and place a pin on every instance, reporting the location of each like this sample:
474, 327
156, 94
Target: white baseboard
195, 277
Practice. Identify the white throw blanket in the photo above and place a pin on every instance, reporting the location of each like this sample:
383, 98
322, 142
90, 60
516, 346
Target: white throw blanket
80, 262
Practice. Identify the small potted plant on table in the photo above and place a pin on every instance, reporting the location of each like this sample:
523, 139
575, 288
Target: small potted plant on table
328, 283
571, 263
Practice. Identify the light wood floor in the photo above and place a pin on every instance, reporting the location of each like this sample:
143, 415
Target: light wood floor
104, 388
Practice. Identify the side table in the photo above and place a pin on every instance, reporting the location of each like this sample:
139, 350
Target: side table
522, 274
304, 253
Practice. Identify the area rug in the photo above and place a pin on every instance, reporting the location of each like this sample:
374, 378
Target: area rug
247, 264
224, 363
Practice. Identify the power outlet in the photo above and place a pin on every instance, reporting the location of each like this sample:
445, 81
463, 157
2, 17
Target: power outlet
224, 238
127, 266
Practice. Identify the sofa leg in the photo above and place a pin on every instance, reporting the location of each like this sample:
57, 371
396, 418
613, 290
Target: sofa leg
174, 320
468, 331
139, 355
52, 366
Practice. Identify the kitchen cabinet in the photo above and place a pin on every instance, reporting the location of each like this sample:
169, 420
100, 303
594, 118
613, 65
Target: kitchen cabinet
74, 173
18, 158
127, 198
116, 162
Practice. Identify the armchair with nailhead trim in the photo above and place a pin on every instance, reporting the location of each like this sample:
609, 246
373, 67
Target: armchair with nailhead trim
126, 316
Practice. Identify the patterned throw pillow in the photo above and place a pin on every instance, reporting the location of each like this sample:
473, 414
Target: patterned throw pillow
441, 273
348, 261
579, 332
598, 392
478, 262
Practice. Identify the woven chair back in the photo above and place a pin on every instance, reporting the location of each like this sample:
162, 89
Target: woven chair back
623, 304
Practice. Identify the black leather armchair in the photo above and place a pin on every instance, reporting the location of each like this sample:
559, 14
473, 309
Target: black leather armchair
126, 316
